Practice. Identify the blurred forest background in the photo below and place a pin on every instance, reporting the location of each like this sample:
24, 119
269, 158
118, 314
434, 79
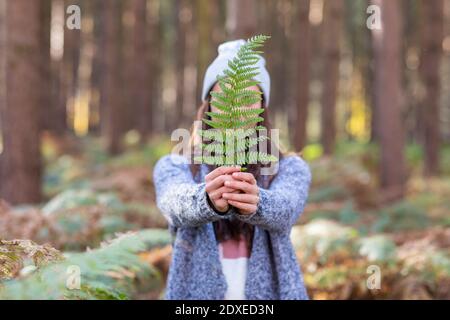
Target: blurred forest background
85, 113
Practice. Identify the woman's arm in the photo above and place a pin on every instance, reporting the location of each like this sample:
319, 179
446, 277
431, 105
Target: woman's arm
182, 201
280, 206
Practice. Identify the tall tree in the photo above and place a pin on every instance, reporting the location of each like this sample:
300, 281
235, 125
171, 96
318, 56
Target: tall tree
155, 38
46, 89
141, 61
21, 158
432, 37
56, 119
97, 73
205, 48
303, 73
375, 127
110, 96
192, 97
241, 18
181, 20
388, 85
219, 13
332, 25
2, 67
70, 63
127, 67
281, 71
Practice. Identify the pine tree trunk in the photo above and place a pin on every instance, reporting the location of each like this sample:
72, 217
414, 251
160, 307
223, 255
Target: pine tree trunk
205, 52
180, 55
97, 67
303, 73
192, 100
110, 97
282, 69
241, 18
332, 25
273, 55
20, 114
71, 62
375, 105
388, 86
155, 122
2, 68
57, 119
141, 62
373, 90
46, 93
128, 66
432, 32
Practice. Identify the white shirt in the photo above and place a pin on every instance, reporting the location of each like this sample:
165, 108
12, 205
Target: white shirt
234, 257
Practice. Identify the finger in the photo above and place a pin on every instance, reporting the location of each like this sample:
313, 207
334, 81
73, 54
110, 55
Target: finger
241, 185
245, 176
250, 208
217, 194
241, 197
217, 183
221, 171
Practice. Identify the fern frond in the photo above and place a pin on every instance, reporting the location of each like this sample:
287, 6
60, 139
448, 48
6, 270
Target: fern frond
251, 142
109, 272
214, 135
216, 148
249, 121
233, 111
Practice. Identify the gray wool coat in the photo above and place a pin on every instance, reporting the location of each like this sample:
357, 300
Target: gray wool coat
196, 272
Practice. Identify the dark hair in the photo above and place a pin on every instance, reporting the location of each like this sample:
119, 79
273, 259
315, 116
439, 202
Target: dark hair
234, 228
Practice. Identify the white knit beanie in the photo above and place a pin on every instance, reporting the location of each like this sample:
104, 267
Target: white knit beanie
228, 51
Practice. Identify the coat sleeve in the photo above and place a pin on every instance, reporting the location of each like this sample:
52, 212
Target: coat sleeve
182, 201
280, 206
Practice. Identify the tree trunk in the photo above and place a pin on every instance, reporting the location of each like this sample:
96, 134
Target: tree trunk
46, 93
432, 36
241, 18
303, 73
332, 25
2, 70
204, 43
141, 68
128, 67
281, 70
191, 98
373, 90
154, 123
57, 118
97, 67
111, 93
70, 64
374, 103
180, 58
21, 163
388, 85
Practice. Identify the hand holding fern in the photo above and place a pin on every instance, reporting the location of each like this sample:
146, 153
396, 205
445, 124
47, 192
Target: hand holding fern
215, 187
247, 201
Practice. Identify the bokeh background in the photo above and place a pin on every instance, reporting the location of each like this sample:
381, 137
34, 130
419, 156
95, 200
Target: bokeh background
361, 88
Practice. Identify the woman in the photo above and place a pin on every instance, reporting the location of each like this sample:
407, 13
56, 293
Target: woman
232, 228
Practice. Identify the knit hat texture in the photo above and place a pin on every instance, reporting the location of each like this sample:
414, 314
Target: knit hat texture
228, 51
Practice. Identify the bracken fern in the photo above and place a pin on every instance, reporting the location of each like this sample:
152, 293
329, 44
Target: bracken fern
113, 271
235, 133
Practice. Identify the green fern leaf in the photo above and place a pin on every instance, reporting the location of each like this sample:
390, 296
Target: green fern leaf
233, 111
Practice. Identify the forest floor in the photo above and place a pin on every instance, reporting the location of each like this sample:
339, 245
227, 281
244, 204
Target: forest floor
99, 220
